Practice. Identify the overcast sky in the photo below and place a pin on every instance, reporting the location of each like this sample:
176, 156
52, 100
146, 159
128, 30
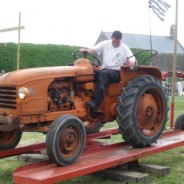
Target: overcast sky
79, 22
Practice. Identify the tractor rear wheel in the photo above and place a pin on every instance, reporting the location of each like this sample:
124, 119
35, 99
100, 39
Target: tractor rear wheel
142, 111
65, 140
9, 140
179, 124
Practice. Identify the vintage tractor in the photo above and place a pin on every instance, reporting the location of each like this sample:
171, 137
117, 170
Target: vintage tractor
51, 100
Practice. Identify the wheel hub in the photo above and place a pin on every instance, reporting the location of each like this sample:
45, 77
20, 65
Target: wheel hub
69, 141
147, 114
149, 111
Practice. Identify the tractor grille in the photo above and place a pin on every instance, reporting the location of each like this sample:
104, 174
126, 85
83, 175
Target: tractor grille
8, 97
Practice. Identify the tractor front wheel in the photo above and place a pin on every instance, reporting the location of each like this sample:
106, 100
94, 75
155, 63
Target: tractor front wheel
142, 111
65, 140
9, 140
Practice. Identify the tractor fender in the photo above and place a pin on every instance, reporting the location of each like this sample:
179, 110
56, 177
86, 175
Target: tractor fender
130, 72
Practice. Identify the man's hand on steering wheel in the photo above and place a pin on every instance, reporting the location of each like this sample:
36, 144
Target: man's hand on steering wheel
87, 52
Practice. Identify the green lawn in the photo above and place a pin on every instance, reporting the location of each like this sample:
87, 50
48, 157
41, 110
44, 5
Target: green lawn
172, 158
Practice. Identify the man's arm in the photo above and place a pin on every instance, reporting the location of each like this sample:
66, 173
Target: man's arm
97, 48
90, 51
131, 60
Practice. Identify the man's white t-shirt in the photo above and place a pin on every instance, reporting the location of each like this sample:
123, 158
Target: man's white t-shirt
113, 57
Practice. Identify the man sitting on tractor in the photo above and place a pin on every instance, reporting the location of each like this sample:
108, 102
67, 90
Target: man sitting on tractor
114, 54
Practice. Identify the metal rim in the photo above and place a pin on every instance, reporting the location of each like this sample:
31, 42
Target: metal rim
70, 140
150, 112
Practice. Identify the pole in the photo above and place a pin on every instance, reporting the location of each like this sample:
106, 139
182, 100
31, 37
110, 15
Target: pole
18, 45
150, 37
174, 67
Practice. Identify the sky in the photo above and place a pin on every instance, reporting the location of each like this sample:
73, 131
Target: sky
79, 22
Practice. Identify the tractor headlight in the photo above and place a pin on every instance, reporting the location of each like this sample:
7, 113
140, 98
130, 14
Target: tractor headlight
23, 93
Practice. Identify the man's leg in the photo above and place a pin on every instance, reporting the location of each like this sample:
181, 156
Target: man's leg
105, 77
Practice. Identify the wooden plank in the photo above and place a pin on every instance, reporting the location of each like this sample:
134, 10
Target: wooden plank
125, 176
47, 172
155, 169
12, 29
32, 158
34, 148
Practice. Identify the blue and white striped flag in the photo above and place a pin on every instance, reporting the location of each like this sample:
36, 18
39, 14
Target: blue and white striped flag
159, 7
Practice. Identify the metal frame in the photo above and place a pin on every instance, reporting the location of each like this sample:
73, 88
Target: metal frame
97, 156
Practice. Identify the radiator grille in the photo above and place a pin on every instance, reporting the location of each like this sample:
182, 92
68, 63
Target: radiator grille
8, 97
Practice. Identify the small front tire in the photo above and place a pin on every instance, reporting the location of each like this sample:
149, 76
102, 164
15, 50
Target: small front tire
65, 140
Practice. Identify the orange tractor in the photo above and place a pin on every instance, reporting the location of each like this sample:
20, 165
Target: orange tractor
51, 100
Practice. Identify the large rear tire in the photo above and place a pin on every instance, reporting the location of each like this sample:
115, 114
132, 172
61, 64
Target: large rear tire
142, 111
9, 140
65, 140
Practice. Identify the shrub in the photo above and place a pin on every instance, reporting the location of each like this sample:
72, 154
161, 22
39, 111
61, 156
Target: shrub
38, 55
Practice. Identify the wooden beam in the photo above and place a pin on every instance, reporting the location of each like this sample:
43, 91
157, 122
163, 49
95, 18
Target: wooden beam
18, 45
11, 29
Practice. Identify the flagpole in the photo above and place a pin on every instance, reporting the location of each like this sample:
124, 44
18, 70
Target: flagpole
174, 67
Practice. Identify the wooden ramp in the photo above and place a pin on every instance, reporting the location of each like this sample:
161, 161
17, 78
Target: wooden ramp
97, 156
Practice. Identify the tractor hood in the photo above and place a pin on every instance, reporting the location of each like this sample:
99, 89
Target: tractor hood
20, 77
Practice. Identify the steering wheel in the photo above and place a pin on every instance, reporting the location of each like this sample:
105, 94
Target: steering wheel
153, 53
86, 54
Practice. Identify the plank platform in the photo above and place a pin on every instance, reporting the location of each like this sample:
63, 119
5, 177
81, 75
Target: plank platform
97, 156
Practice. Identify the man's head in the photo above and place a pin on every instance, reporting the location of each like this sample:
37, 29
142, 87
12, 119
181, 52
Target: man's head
116, 38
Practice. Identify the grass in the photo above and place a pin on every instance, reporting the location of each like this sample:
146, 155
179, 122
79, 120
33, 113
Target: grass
172, 158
